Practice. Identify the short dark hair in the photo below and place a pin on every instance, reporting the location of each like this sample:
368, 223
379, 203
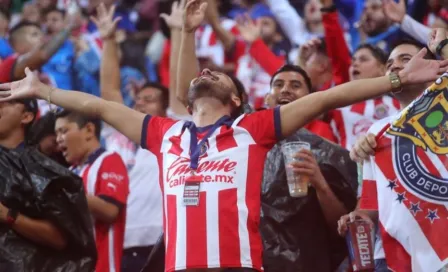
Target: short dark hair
296, 69
378, 53
16, 29
242, 95
164, 90
5, 13
42, 128
53, 9
419, 45
81, 120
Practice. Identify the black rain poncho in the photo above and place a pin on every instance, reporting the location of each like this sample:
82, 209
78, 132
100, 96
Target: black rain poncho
295, 234
39, 188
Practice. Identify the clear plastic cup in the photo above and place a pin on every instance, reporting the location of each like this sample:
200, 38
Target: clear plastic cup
297, 184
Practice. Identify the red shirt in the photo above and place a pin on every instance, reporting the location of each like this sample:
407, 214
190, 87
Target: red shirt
7, 69
105, 176
222, 231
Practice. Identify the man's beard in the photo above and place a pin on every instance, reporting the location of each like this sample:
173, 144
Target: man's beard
206, 88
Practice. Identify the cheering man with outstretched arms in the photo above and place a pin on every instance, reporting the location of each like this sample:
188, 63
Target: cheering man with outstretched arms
211, 200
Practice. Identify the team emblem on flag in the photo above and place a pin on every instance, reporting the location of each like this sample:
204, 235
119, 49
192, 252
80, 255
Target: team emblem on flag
410, 170
424, 124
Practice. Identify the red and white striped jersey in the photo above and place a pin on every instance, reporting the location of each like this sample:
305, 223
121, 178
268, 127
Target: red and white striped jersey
105, 176
209, 46
351, 122
223, 230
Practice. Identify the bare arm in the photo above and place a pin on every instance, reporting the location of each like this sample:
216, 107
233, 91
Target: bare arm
336, 97
41, 54
296, 114
110, 72
39, 231
102, 210
176, 104
174, 22
110, 63
331, 206
225, 36
188, 67
128, 121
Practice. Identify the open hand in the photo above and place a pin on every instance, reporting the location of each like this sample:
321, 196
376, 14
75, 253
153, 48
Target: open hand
419, 70
354, 215
174, 20
194, 14
395, 11
25, 88
437, 35
249, 31
307, 165
306, 50
105, 21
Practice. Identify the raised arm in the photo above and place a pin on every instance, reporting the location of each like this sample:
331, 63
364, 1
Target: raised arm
250, 32
337, 49
122, 118
298, 113
174, 22
396, 11
110, 64
226, 37
41, 54
437, 36
188, 67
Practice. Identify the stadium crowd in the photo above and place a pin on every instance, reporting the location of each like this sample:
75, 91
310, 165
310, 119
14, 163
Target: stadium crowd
145, 100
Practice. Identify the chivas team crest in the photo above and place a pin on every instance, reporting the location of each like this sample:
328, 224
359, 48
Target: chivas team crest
424, 125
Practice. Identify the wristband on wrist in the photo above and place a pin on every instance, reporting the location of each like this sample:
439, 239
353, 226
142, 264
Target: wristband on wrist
331, 8
441, 45
11, 217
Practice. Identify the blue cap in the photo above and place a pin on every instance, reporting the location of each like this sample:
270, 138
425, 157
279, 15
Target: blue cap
261, 10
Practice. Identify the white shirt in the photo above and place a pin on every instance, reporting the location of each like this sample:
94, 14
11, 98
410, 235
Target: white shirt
144, 221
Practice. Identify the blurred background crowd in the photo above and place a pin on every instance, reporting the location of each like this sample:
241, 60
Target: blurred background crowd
333, 41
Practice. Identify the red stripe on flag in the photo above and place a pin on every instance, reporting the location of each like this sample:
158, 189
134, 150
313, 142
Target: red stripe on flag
225, 139
433, 231
197, 233
229, 244
171, 226
369, 196
397, 257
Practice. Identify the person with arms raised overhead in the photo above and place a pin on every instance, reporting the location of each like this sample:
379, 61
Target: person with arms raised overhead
144, 208
211, 202
26, 38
